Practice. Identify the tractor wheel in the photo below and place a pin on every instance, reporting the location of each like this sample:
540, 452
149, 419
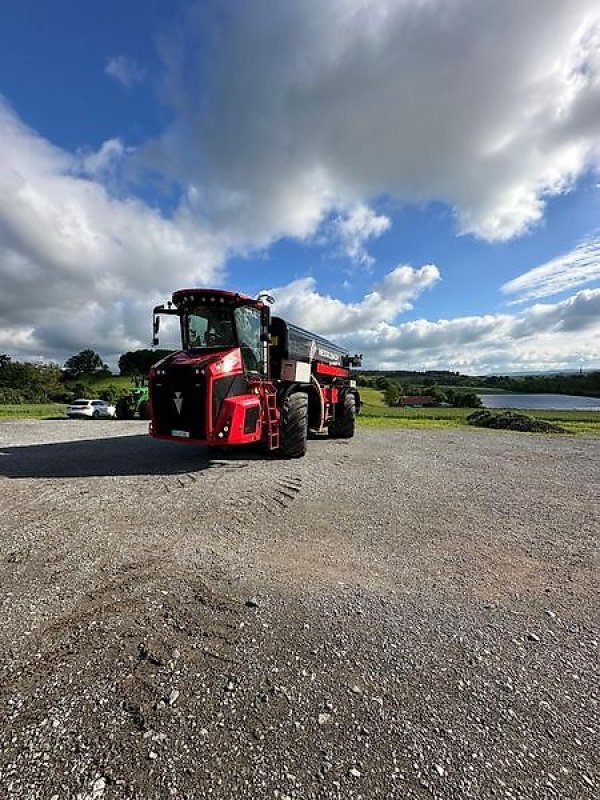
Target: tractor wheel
122, 409
143, 410
293, 426
342, 426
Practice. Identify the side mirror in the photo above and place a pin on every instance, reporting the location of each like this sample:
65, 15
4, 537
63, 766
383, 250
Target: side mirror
155, 329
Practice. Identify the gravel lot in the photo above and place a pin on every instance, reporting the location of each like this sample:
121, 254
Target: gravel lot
411, 614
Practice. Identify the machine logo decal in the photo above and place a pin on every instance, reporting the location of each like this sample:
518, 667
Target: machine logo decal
178, 400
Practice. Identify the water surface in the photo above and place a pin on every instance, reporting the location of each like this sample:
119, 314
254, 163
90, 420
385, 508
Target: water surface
559, 402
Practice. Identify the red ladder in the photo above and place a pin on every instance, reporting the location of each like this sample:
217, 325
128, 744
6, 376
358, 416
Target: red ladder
272, 418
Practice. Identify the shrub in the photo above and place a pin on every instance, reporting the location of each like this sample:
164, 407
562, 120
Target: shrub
391, 395
112, 393
466, 400
12, 396
28, 383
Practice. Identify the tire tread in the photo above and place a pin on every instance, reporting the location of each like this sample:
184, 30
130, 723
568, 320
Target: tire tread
293, 426
344, 425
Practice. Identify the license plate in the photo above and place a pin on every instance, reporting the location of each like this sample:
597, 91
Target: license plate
181, 434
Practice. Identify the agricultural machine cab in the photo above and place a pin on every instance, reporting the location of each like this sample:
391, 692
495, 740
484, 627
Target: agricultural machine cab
243, 376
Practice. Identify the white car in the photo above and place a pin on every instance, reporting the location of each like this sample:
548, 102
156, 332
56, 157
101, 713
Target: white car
90, 408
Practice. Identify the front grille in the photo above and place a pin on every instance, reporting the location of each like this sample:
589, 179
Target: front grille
178, 403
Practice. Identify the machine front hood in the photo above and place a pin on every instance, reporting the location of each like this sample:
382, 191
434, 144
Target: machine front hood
188, 358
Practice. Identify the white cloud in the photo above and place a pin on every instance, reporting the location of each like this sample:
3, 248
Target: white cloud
553, 336
564, 273
286, 113
78, 266
301, 303
108, 156
125, 70
355, 228
557, 335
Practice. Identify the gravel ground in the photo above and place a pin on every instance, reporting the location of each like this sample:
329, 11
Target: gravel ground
411, 614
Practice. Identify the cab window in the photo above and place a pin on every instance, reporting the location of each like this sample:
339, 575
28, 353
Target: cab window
208, 327
247, 320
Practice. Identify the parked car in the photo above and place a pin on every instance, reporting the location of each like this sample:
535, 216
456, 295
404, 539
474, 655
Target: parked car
90, 408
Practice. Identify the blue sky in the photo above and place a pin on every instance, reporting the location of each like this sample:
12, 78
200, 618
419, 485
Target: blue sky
381, 167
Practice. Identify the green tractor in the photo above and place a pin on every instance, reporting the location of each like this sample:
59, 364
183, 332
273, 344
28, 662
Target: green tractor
136, 402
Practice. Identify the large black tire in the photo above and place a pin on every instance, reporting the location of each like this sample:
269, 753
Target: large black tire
144, 410
293, 426
343, 425
122, 410
96, 415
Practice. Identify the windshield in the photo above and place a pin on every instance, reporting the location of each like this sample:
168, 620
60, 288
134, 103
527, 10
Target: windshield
208, 327
215, 327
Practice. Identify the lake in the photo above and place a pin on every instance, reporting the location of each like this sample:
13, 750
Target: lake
560, 402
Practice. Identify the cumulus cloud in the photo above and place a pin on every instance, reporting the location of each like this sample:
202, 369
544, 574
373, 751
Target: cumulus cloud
125, 70
300, 302
285, 113
542, 336
355, 228
564, 273
108, 156
78, 266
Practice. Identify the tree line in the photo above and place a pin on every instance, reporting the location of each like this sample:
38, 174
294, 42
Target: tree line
24, 382
577, 383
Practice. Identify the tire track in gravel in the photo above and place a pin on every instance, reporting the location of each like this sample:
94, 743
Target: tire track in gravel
271, 494
143, 609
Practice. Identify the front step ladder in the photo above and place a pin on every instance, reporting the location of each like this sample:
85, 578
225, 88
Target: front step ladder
272, 419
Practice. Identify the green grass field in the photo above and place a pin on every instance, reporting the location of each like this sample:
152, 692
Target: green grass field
373, 413
32, 411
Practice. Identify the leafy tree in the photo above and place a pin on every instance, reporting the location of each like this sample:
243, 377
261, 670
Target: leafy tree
138, 362
391, 394
436, 393
86, 362
382, 383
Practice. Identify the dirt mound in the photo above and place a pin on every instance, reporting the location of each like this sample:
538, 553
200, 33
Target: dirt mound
511, 421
